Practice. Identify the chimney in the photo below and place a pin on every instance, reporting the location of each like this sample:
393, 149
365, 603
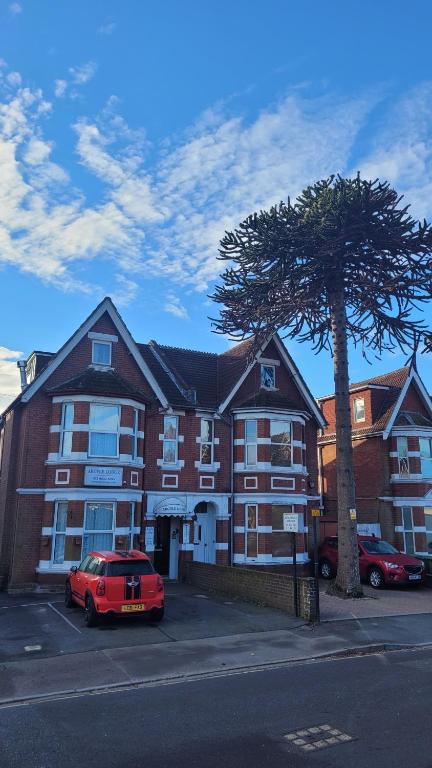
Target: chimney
22, 369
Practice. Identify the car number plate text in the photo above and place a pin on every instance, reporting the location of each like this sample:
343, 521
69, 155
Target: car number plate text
135, 607
414, 577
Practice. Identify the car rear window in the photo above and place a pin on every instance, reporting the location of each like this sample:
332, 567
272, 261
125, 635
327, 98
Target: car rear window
379, 547
129, 568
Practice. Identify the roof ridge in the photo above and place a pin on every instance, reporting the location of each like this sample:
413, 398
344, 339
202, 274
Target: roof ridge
179, 349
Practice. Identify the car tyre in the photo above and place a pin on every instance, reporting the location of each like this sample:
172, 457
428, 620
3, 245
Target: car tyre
69, 603
157, 614
376, 578
91, 614
326, 569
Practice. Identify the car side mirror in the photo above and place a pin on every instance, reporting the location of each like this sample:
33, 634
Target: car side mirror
74, 568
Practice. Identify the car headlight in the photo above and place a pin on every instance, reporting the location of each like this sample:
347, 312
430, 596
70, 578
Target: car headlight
393, 566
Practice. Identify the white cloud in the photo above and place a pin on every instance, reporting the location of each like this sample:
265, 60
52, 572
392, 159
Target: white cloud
15, 8
174, 306
9, 376
125, 291
82, 74
14, 79
106, 29
60, 87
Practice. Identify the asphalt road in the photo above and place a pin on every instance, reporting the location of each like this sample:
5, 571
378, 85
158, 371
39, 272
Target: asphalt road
376, 706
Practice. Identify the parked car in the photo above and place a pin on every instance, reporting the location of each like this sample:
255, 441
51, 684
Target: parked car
115, 583
380, 563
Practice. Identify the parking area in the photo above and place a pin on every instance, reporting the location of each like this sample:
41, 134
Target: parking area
394, 601
43, 626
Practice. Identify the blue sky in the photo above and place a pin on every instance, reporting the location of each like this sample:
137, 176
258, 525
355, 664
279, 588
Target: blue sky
132, 134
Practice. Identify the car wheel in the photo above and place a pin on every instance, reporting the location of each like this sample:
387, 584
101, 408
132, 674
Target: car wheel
69, 603
376, 578
91, 614
325, 569
157, 614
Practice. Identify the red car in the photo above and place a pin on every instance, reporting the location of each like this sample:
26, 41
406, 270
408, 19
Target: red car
121, 583
380, 563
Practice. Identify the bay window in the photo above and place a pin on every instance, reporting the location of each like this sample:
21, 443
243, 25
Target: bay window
281, 443
98, 526
59, 537
426, 456
104, 430
428, 524
170, 440
281, 540
251, 530
66, 430
135, 435
408, 530
206, 447
250, 442
403, 459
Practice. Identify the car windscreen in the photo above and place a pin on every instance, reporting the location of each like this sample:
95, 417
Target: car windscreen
129, 568
379, 547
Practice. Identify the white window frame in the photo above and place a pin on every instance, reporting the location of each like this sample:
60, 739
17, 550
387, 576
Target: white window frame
428, 517
66, 431
104, 431
91, 531
425, 458
134, 478
66, 473
273, 442
166, 484
103, 344
170, 440
135, 434
250, 483
357, 419
268, 367
253, 443
207, 486
403, 456
251, 530
207, 442
56, 534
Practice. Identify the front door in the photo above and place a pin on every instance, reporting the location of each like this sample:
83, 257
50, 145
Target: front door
204, 538
162, 545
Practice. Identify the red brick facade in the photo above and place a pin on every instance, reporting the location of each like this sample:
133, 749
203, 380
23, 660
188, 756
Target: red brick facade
392, 441
147, 450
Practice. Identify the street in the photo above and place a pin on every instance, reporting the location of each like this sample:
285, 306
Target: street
377, 704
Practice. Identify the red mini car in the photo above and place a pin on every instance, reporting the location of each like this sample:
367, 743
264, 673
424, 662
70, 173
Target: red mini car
117, 582
380, 563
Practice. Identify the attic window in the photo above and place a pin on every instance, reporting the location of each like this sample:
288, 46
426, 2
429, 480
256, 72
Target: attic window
268, 376
101, 353
359, 409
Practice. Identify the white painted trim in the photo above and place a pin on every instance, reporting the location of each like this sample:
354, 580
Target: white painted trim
98, 399
415, 454
207, 487
62, 482
134, 478
258, 529
302, 557
409, 479
266, 466
268, 361
102, 336
281, 487
408, 501
271, 498
105, 306
411, 432
412, 376
250, 487
168, 485
186, 547
242, 378
82, 458
176, 465
207, 467
220, 545
300, 384
282, 414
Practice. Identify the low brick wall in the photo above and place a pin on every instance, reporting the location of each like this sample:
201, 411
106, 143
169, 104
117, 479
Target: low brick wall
275, 590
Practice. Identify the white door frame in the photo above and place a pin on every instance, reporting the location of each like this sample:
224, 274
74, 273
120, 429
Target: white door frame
205, 550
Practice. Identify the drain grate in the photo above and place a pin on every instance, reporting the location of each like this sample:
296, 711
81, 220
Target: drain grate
317, 737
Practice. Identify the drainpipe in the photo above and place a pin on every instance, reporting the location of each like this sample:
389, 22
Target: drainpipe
22, 369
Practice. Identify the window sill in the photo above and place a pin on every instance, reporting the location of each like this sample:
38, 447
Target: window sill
207, 467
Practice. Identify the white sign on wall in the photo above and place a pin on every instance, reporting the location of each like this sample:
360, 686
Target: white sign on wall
170, 506
186, 529
149, 537
103, 476
291, 522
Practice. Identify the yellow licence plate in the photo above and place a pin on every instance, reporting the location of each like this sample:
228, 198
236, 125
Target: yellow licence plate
135, 607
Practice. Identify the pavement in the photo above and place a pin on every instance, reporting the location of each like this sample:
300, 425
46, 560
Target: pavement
46, 650
356, 712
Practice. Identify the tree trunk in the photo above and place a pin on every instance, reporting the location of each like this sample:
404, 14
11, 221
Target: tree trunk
348, 577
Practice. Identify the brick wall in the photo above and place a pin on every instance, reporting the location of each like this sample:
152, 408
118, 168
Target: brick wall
275, 590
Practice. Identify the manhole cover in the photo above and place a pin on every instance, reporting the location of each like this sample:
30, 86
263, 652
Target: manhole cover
317, 737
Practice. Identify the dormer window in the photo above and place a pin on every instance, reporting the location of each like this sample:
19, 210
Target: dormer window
101, 353
268, 376
359, 409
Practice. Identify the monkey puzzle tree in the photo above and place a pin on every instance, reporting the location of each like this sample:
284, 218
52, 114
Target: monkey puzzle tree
345, 262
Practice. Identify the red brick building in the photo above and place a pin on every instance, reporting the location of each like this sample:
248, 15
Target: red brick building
184, 454
392, 449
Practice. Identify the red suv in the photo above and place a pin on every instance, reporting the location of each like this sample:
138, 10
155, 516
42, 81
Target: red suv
121, 583
380, 563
